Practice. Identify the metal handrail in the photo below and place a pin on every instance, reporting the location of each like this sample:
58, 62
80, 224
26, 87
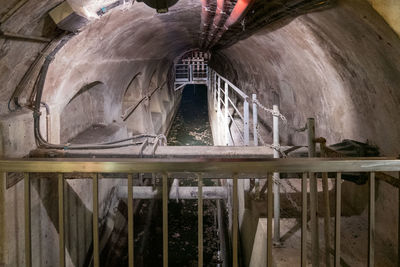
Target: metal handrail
235, 88
227, 165
211, 165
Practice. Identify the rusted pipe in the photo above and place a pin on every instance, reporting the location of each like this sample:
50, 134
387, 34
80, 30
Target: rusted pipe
237, 13
205, 20
215, 27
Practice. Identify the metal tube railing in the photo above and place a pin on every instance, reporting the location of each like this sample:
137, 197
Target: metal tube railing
226, 165
95, 221
338, 213
130, 222
200, 221
165, 219
61, 228
27, 209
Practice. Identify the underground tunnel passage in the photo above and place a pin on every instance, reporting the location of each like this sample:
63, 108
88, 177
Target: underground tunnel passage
199, 132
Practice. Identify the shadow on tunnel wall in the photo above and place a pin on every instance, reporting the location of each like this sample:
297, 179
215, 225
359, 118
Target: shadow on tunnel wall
78, 219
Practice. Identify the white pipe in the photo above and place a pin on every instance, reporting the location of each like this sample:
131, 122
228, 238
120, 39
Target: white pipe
276, 177
148, 192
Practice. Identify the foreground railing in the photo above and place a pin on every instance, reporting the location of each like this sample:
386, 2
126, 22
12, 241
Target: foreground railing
235, 168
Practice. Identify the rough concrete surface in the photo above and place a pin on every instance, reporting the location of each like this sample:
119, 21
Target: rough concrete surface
340, 65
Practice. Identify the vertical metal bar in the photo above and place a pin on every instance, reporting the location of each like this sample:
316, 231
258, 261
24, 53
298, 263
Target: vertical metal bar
227, 119
277, 188
200, 220
219, 94
371, 221
255, 120
398, 229
313, 195
215, 88
235, 224
304, 221
246, 130
269, 221
338, 213
327, 212
61, 219
165, 218
130, 221
27, 219
96, 260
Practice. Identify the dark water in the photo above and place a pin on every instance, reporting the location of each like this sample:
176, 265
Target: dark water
191, 125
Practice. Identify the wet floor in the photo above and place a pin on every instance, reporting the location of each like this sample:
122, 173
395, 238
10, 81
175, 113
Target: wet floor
191, 126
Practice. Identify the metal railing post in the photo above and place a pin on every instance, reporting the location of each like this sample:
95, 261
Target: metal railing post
246, 130
190, 73
313, 195
235, 223
327, 211
214, 85
338, 213
304, 220
255, 120
130, 221
269, 221
61, 230
219, 94
96, 259
27, 219
227, 119
398, 228
371, 221
165, 218
200, 220
277, 200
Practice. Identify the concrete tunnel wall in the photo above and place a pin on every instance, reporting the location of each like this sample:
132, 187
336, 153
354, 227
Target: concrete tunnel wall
111, 52
340, 66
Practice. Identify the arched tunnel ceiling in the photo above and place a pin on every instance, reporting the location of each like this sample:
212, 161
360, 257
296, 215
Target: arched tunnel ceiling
122, 43
126, 36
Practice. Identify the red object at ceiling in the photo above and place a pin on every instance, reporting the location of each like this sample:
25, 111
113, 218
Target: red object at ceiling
237, 12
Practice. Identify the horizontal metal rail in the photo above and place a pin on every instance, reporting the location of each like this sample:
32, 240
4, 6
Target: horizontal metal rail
235, 88
211, 165
181, 192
